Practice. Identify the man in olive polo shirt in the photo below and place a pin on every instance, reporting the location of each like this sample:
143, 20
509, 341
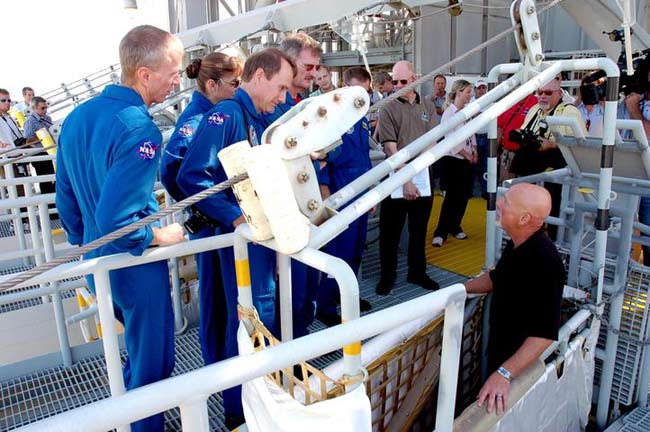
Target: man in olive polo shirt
401, 121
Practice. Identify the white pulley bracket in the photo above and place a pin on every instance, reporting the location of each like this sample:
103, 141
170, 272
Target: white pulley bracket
314, 125
528, 38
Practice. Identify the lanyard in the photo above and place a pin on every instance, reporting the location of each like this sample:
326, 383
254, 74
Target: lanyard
13, 131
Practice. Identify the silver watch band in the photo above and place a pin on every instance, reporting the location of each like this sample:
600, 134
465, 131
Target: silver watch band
505, 373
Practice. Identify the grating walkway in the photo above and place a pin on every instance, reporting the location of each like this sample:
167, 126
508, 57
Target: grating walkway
464, 257
31, 398
636, 421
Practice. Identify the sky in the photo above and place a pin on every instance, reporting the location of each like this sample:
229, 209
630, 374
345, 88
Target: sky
49, 42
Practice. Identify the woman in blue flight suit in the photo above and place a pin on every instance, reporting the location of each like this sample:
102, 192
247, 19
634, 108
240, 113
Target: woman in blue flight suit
343, 167
231, 121
217, 78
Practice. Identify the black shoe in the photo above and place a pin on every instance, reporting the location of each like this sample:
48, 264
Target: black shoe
424, 281
364, 305
330, 320
233, 421
384, 287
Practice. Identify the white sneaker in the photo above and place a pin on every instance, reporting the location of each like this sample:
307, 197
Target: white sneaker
437, 242
461, 236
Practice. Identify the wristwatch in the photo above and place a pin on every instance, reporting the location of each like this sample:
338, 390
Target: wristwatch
505, 373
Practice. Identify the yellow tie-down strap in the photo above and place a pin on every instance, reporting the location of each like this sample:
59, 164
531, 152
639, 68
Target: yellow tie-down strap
243, 273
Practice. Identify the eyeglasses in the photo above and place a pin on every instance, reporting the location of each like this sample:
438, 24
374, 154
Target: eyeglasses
401, 81
545, 92
310, 67
234, 83
5, 100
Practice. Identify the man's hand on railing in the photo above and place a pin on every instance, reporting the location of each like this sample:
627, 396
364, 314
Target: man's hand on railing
169, 235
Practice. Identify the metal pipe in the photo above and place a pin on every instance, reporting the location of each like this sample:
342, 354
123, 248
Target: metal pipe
163, 395
381, 170
86, 313
37, 292
615, 314
286, 305
325, 232
503, 69
567, 329
639, 135
15, 210
112, 262
571, 122
194, 415
36, 241
28, 180
109, 337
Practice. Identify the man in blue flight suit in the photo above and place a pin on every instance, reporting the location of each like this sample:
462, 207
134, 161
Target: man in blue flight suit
343, 167
265, 80
306, 52
217, 77
106, 166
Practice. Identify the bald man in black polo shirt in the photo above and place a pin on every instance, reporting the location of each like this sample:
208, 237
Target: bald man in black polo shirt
527, 285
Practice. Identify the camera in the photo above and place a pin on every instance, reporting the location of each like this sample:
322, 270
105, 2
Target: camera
639, 82
526, 138
197, 221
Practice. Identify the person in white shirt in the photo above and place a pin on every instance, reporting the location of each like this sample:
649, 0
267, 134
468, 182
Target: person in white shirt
457, 169
9, 130
25, 105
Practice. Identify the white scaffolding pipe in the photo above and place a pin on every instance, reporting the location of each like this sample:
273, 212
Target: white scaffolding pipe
177, 391
327, 230
368, 179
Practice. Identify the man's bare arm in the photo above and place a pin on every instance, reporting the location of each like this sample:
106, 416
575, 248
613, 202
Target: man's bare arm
479, 285
390, 148
496, 389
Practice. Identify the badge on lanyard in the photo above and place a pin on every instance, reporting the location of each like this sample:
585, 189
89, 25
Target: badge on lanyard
424, 116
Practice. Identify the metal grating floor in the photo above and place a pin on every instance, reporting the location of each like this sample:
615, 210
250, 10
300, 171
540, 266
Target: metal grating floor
47, 393
7, 227
636, 421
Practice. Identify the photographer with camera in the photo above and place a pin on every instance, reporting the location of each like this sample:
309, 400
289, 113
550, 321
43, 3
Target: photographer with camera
9, 130
538, 150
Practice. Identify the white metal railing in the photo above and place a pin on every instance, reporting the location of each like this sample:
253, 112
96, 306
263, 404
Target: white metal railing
190, 391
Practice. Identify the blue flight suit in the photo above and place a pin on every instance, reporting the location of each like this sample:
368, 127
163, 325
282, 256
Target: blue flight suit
228, 122
343, 167
304, 279
212, 328
107, 160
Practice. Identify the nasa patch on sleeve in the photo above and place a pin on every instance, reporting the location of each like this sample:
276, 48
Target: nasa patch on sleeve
147, 150
186, 131
217, 119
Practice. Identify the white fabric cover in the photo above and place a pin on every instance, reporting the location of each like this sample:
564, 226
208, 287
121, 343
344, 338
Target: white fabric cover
269, 408
557, 404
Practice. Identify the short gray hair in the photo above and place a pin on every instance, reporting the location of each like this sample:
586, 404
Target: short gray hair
296, 43
37, 100
146, 46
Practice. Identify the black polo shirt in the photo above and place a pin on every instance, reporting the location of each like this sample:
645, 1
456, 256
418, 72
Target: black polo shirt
527, 289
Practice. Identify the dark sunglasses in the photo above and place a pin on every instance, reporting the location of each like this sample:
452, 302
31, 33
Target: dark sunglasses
234, 83
402, 81
545, 92
309, 67
5, 100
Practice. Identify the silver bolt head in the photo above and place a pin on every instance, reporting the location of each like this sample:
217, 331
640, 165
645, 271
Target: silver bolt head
539, 57
322, 111
359, 102
290, 142
535, 36
303, 177
530, 10
313, 205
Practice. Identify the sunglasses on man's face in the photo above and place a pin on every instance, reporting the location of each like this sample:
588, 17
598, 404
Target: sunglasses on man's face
401, 81
5, 100
545, 92
310, 67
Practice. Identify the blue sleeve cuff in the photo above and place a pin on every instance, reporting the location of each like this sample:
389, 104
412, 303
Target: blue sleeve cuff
144, 244
75, 239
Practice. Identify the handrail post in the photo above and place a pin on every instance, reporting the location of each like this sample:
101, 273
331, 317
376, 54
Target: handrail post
109, 336
57, 303
194, 415
17, 221
449, 362
286, 296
